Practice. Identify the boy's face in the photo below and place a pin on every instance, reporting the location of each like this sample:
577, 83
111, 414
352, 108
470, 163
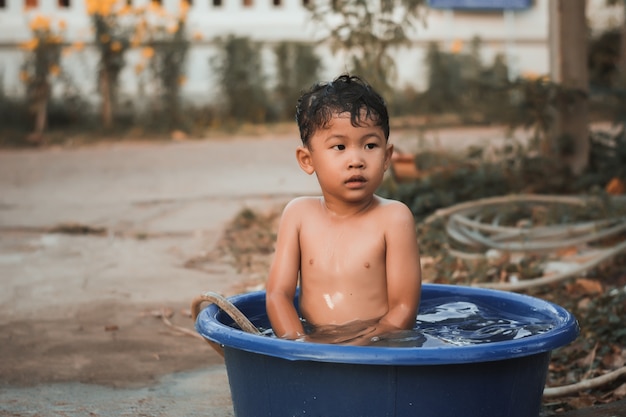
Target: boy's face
349, 161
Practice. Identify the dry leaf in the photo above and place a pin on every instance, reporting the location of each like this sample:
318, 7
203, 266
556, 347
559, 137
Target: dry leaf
111, 327
615, 186
582, 401
585, 286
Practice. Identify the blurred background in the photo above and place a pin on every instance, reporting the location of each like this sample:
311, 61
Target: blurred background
544, 81
144, 68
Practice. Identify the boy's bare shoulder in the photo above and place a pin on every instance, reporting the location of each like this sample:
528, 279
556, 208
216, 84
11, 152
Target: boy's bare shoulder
394, 214
300, 205
393, 207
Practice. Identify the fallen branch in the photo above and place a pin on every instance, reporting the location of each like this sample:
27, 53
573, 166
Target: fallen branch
551, 279
525, 198
179, 329
551, 392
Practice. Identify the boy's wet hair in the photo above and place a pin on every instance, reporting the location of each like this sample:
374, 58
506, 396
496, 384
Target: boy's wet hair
345, 94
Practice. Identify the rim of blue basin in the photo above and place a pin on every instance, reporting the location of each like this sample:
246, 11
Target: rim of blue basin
565, 330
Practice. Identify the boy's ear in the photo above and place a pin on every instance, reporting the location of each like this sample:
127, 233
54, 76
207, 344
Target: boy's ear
388, 155
303, 155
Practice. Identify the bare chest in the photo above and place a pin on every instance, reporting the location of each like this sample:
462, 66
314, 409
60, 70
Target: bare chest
336, 249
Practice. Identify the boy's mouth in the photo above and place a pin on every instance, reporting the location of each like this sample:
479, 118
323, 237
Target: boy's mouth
356, 180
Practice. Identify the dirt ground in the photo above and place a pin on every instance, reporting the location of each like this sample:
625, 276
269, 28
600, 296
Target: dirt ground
96, 241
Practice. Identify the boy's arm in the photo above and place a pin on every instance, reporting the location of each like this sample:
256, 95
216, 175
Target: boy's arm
404, 278
283, 277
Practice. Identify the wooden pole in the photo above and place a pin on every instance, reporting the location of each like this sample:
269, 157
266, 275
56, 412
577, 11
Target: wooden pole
571, 139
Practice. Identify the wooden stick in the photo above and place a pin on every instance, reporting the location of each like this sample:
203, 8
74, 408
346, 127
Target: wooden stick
551, 392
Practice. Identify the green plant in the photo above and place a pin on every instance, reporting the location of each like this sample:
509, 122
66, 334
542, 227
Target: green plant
169, 44
297, 67
367, 32
240, 76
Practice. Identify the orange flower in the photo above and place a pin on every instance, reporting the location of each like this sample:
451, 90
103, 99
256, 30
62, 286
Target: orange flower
147, 52
30, 45
101, 7
40, 23
126, 9
54, 39
116, 46
530, 75
456, 47
184, 7
54, 70
173, 28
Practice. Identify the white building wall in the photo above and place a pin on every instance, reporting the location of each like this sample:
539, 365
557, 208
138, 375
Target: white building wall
522, 36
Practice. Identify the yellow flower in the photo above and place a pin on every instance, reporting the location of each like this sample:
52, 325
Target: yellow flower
62, 24
139, 68
24, 76
105, 38
197, 36
182, 80
79, 46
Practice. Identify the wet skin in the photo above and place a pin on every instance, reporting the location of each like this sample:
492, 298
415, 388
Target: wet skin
355, 253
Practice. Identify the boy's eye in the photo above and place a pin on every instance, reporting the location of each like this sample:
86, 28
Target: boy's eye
371, 146
339, 147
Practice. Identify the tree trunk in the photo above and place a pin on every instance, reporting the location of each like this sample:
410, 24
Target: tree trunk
622, 53
107, 106
570, 142
41, 110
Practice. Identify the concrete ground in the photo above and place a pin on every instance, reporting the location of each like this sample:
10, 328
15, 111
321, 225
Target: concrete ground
80, 333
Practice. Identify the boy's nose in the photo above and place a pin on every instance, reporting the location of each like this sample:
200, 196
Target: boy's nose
356, 162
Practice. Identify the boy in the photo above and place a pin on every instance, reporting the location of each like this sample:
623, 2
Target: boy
355, 253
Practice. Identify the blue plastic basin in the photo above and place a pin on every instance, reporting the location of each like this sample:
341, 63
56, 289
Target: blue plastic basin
275, 377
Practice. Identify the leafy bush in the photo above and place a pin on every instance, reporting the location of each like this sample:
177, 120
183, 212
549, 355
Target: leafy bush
241, 79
